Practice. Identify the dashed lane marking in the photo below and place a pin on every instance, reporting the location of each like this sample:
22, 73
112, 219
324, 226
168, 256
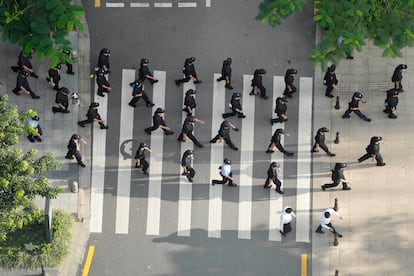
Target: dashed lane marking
162, 5
114, 5
140, 5
187, 4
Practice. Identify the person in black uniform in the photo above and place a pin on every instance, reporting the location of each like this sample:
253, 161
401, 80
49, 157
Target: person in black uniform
373, 151
74, 149
290, 88
54, 76
280, 110
397, 77
138, 93
226, 73
62, 100
353, 106
224, 133
24, 64
68, 65
23, 85
391, 103
145, 73
103, 60
235, 106
93, 116
338, 178
226, 174
189, 102
140, 161
187, 165
187, 130
257, 83
103, 84
272, 177
158, 122
330, 81
275, 141
189, 72
320, 141
35, 131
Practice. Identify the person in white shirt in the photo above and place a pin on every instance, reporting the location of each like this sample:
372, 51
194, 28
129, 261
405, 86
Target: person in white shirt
326, 222
285, 220
225, 172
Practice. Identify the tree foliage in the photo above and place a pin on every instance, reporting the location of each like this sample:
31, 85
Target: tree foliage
21, 175
40, 24
347, 24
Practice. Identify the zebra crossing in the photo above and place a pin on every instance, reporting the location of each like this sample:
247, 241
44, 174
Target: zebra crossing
215, 217
156, 4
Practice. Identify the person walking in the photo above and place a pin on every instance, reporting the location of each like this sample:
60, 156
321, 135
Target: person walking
54, 76
189, 102
338, 178
285, 219
145, 73
23, 85
158, 122
93, 116
68, 65
275, 141
290, 88
330, 81
391, 103
373, 151
353, 106
280, 110
74, 149
24, 64
138, 92
62, 101
320, 141
272, 177
187, 130
187, 165
140, 161
326, 222
103, 84
103, 60
235, 106
226, 174
257, 83
189, 72
226, 73
224, 133
397, 77
35, 131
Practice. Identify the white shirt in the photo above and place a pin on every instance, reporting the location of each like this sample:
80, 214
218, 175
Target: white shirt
286, 218
225, 169
325, 221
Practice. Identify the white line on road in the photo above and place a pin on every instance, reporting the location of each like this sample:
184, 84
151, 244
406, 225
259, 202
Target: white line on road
162, 5
114, 5
208, 3
140, 5
187, 4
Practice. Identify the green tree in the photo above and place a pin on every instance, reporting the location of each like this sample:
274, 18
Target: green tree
21, 175
40, 24
347, 24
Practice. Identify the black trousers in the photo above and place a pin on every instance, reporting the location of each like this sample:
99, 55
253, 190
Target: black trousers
17, 90
186, 79
329, 90
144, 165
287, 228
135, 99
101, 90
261, 88
278, 146
75, 153
226, 139
190, 172
357, 112
276, 181
322, 146
294, 89
329, 225
233, 113
89, 121
278, 120
192, 138
367, 155
70, 68
58, 109
224, 181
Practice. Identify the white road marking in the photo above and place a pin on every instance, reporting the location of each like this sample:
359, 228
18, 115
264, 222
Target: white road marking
140, 5
114, 5
208, 3
162, 5
187, 4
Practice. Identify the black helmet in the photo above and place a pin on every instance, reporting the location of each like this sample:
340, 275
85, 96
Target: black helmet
280, 131
94, 104
105, 51
192, 59
159, 110
375, 139
226, 124
64, 90
358, 95
101, 71
36, 118
66, 52
332, 68
402, 67
75, 137
340, 166
144, 61
143, 145
275, 165
188, 152
262, 71
324, 129
228, 60
327, 214
227, 161
190, 92
59, 66
189, 119
236, 95
24, 73
291, 71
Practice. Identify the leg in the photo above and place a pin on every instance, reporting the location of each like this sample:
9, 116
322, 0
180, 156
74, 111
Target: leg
325, 149
133, 101
221, 182
282, 150
319, 229
362, 116
263, 92
79, 159
145, 166
192, 138
330, 185
328, 92
233, 113
215, 138
230, 143
347, 113
278, 185
151, 129
146, 99
380, 161
364, 157
270, 147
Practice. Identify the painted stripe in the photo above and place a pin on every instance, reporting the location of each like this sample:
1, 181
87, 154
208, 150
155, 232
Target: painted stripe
185, 187
98, 166
88, 261
114, 5
162, 5
215, 200
304, 264
187, 4
140, 5
97, 3
155, 169
275, 199
246, 161
208, 3
124, 165
304, 160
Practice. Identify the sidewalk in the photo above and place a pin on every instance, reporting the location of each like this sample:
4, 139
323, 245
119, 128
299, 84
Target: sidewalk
378, 213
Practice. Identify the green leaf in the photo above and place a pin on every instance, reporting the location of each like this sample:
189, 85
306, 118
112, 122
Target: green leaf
318, 17
51, 4
359, 12
69, 26
62, 21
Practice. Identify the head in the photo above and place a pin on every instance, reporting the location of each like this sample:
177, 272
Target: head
292, 71
402, 67
228, 61
324, 129
289, 210
189, 152
160, 111
227, 161
144, 61
24, 73
36, 118
64, 90
327, 214
143, 145
106, 52
262, 72
376, 139
138, 82
282, 99
358, 96
94, 105
340, 166
75, 137
275, 165
332, 68
59, 66
236, 95
190, 92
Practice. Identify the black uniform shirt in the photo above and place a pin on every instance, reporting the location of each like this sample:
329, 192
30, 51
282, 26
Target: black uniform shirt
319, 138
24, 60
189, 69
103, 60
54, 73
72, 144
373, 148
280, 109
157, 120
188, 125
93, 114
337, 175
392, 99
101, 80
330, 79
289, 79
272, 173
186, 160
397, 76
224, 130
257, 78
276, 137
62, 99
143, 72
140, 154
189, 101
235, 104
226, 70
354, 103
22, 81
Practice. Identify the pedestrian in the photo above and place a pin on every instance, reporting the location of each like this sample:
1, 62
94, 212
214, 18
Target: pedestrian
391, 103
226, 73
24, 63
224, 133
103, 84
158, 122
275, 141
145, 73
285, 219
280, 110
226, 174
397, 77
189, 102
326, 222
187, 130
257, 83
338, 178
272, 177
353, 106
320, 141
23, 85
138, 92
93, 116
235, 106
74, 149
103, 60
68, 65
330, 81
35, 131
373, 151
189, 72
140, 161
187, 165
62, 101
290, 88
54, 76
